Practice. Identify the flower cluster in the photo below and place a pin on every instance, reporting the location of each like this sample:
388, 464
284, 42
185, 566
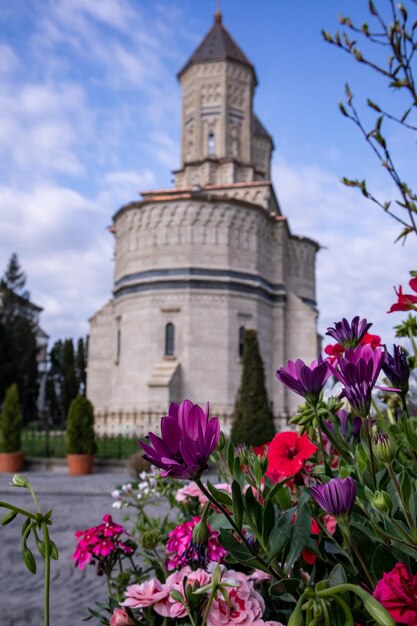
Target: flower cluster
234, 601
179, 543
96, 544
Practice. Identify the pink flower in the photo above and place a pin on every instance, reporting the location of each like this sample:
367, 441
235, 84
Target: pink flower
168, 607
191, 490
146, 594
120, 618
260, 622
245, 606
397, 592
99, 542
179, 540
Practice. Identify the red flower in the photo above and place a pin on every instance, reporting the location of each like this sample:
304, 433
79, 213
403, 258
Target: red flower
373, 340
287, 453
335, 351
406, 301
397, 592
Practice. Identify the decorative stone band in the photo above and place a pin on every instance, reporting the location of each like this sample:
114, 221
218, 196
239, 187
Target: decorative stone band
202, 279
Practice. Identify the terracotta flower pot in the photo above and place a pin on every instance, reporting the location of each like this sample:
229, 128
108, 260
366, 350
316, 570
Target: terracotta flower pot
79, 464
11, 462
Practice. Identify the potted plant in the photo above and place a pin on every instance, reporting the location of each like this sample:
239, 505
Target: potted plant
80, 441
11, 455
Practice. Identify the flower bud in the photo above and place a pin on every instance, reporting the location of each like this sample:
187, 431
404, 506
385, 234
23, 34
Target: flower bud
384, 448
382, 502
222, 442
19, 481
201, 531
151, 538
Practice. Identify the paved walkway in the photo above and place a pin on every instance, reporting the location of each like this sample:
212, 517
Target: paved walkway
78, 503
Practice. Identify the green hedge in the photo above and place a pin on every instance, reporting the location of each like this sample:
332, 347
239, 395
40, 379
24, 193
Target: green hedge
39, 444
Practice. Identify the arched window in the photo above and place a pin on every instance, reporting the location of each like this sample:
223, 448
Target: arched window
169, 339
211, 144
241, 341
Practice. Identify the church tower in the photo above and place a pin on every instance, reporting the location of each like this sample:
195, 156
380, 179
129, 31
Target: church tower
198, 263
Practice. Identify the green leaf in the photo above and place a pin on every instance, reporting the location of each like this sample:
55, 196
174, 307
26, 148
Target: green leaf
337, 576
382, 561
300, 534
237, 504
280, 534
253, 509
221, 496
238, 550
230, 456
268, 519
8, 518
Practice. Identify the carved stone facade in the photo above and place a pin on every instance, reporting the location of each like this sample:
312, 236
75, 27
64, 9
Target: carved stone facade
196, 264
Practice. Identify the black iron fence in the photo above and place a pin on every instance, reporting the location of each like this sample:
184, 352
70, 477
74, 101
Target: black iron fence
41, 443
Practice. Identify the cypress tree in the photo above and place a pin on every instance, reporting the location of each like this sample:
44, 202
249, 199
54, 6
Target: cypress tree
69, 389
10, 421
253, 421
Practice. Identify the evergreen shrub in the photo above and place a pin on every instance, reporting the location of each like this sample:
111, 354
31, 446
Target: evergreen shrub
80, 437
10, 421
253, 422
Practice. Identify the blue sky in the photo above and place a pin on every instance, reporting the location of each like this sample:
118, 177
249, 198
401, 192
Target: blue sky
90, 115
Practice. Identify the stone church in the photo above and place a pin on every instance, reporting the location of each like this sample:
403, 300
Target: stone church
198, 263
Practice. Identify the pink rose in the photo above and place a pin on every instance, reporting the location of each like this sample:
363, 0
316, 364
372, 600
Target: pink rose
120, 618
245, 605
145, 594
397, 592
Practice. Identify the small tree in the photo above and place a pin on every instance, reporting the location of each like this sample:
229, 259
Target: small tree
253, 421
10, 421
80, 437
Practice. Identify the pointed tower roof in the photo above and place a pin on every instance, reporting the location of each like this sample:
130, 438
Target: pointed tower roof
218, 45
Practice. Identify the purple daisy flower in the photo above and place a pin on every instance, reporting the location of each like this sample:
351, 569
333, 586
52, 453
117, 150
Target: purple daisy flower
396, 368
358, 371
336, 497
188, 438
307, 381
349, 334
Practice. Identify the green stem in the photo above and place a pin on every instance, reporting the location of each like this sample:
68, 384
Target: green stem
343, 453
368, 431
279, 573
47, 572
411, 523
11, 507
209, 603
160, 561
350, 544
34, 498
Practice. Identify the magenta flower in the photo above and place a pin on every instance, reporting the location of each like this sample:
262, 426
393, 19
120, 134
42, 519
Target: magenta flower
179, 542
102, 541
349, 335
307, 381
189, 436
336, 497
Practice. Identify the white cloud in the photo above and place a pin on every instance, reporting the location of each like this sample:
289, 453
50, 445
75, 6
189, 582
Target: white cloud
359, 263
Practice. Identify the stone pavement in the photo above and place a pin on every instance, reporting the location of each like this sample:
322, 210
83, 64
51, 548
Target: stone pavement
77, 503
